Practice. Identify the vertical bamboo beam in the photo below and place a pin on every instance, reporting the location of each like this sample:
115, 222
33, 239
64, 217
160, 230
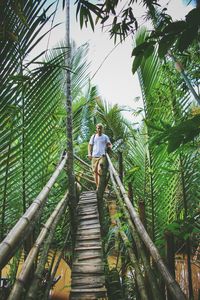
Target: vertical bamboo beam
69, 130
130, 191
170, 256
140, 247
188, 248
169, 280
142, 214
121, 166
100, 192
180, 69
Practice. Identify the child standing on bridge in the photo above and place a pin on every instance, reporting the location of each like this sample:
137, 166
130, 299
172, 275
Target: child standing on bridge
97, 146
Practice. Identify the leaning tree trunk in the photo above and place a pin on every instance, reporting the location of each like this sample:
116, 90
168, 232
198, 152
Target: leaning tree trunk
70, 161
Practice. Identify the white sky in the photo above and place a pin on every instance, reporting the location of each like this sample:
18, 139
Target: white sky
115, 82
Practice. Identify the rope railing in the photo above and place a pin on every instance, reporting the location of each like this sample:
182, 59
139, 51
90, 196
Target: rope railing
170, 282
19, 232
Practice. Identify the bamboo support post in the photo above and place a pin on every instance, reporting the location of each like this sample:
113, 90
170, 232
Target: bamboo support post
180, 69
139, 277
140, 246
82, 161
18, 233
21, 279
168, 278
170, 255
38, 276
55, 268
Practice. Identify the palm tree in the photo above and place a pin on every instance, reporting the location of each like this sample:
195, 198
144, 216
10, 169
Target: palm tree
166, 102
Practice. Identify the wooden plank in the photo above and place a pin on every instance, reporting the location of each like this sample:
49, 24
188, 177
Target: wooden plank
100, 279
90, 257
84, 297
88, 245
103, 289
87, 270
89, 202
88, 252
90, 226
88, 222
88, 217
87, 248
87, 212
87, 237
85, 233
88, 197
88, 279
90, 260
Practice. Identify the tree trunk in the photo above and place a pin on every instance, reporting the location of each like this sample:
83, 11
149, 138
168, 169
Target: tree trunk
130, 192
168, 278
188, 248
70, 160
170, 256
121, 167
140, 248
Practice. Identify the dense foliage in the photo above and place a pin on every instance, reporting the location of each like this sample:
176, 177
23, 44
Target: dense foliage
160, 159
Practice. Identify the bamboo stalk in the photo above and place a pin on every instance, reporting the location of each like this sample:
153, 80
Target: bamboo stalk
168, 278
69, 130
82, 161
180, 69
38, 276
139, 277
140, 248
18, 233
55, 268
28, 263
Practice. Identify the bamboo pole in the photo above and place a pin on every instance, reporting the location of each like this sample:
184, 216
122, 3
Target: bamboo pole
38, 276
55, 268
82, 161
18, 233
180, 69
139, 277
140, 248
21, 279
69, 129
168, 278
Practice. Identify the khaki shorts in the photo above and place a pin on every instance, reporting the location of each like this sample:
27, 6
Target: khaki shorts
97, 165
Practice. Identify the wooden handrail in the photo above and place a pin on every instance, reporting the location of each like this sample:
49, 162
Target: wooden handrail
22, 277
19, 232
167, 277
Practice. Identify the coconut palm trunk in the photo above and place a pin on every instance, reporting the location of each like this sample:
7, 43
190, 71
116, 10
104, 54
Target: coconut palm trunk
70, 162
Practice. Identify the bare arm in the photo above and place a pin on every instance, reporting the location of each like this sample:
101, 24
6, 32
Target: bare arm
89, 151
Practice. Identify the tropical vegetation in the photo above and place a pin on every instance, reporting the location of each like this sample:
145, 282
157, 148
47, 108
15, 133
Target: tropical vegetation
158, 162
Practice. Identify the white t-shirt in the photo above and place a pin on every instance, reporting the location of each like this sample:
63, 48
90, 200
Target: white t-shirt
99, 143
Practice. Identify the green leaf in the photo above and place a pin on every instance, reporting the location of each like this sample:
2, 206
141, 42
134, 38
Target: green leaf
186, 236
165, 44
136, 63
149, 51
193, 17
82, 14
140, 49
12, 36
186, 39
91, 20
175, 27
174, 143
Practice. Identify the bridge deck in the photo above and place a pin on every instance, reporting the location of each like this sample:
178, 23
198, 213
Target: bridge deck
88, 280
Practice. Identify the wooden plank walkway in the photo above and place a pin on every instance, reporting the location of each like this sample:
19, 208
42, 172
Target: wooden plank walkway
88, 280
